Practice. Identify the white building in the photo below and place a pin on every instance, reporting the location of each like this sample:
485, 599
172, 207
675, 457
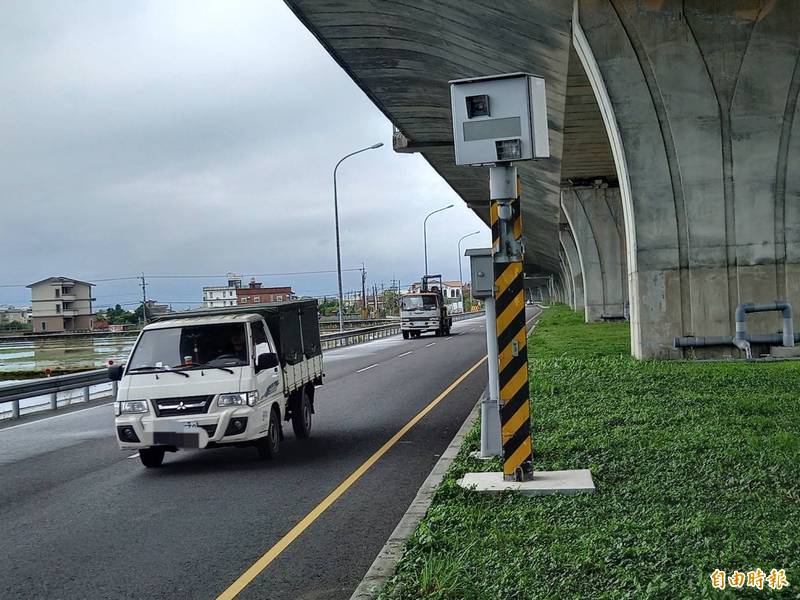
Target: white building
12, 314
222, 295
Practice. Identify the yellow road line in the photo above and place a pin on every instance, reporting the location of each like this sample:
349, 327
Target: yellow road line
262, 563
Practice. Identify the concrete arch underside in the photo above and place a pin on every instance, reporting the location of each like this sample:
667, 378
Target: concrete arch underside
674, 130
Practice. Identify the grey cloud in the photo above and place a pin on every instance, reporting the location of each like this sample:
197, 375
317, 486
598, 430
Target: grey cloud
197, 137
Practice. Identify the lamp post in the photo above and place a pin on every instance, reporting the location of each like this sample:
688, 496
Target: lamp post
425, 232
460, 273
336, 217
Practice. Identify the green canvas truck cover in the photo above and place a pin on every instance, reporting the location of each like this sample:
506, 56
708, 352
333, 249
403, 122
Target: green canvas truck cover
294, 325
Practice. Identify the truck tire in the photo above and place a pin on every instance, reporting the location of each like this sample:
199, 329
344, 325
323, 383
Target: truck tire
301, 415
270, 444
151, 457
405, 335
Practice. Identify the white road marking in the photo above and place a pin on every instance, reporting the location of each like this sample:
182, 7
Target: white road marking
405, 354
133, 455
367, 368
54, 417
431, 344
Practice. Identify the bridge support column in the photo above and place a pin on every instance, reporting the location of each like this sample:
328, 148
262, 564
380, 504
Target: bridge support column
700, 102
600, 249
574, 261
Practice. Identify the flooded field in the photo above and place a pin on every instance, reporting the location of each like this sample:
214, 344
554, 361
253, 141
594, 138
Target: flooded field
68, 353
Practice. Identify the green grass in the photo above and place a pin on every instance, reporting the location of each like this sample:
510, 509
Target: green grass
23, 374
697, 467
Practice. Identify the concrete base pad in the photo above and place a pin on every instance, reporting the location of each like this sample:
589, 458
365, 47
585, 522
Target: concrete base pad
544, 482
781, 352
477, 454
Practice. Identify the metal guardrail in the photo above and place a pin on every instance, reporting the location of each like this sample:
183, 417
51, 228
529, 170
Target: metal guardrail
468, 315
331, 326
52, 386
349, 337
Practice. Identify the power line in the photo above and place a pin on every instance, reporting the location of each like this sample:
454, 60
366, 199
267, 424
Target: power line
138, 277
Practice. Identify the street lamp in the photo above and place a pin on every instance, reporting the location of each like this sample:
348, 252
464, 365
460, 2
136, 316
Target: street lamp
336, 216
460, 273
425, 232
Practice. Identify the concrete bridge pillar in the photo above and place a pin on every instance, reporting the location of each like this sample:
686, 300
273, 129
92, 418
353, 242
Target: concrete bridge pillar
566, 278
599, 248
700, 101
574, 262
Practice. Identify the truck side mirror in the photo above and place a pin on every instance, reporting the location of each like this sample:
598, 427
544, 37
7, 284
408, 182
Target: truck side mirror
115, 372
268, 360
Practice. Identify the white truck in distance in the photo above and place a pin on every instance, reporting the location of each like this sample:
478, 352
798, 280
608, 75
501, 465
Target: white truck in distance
425, 311
219, 377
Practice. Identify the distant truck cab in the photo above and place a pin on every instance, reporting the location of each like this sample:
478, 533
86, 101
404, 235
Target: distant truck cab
219, 377
426, 310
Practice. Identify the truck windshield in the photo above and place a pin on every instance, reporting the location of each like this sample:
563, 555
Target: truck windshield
221, 345
419, 302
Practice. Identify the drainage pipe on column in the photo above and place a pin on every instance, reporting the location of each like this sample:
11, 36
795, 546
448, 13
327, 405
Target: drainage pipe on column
784, 307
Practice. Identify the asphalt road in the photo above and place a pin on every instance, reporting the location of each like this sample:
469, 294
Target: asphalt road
81, 519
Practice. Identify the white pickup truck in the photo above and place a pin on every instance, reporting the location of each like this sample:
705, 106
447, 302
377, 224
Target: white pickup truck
219, 377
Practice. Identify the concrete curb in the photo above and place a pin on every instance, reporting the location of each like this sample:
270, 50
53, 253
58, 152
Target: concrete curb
385, 563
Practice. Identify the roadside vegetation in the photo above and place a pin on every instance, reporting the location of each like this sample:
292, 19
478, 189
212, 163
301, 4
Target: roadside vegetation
24, 374
696, 466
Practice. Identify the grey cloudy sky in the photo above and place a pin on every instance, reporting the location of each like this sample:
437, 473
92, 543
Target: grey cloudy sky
198, 137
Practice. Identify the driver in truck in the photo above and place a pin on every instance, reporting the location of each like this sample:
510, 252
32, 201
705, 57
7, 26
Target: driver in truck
237, 347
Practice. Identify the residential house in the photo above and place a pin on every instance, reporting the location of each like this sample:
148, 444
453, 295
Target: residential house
61, 304
256, 293
11, 314
155, 309
222, 295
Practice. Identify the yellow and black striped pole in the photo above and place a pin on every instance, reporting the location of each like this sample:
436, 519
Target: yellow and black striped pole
511, 344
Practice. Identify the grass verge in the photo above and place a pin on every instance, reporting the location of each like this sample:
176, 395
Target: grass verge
38, 373
696, 465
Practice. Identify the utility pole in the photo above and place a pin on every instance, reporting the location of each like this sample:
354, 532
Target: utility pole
363, 292
144, 300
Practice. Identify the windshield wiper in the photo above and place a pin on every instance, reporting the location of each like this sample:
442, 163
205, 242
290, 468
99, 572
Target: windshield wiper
207, 366
158, 370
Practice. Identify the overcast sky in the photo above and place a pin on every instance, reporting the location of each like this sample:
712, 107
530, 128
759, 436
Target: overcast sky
199, 137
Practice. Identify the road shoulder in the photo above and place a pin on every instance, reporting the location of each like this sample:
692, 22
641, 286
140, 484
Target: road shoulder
384, 565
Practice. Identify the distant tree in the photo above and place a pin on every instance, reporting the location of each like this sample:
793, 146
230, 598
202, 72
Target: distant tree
391, 301
119, 316
14, 326
328, 307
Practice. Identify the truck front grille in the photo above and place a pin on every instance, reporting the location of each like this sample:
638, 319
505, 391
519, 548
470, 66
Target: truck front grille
178, 407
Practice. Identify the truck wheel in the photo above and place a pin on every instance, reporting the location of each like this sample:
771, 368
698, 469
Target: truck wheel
438, 332
301, 416
405, 335
151, 457
269, 445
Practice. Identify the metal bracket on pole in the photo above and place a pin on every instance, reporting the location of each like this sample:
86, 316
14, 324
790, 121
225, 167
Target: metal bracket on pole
503, 192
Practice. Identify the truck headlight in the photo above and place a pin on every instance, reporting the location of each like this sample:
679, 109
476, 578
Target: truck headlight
131, 407
238, 399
